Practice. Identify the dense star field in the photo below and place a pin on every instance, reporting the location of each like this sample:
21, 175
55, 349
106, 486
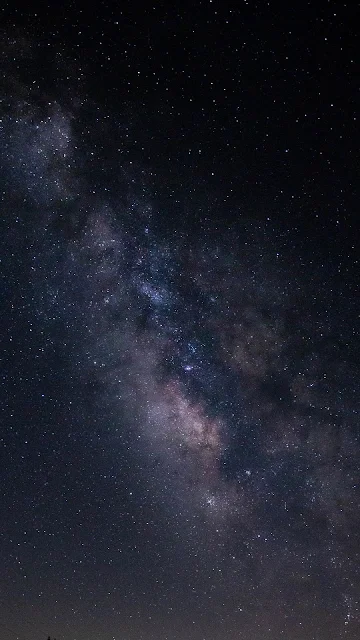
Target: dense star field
180, 445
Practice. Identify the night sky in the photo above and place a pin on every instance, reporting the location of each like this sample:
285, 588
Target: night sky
180, 446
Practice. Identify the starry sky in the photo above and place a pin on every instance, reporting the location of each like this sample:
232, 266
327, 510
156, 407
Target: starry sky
179, 432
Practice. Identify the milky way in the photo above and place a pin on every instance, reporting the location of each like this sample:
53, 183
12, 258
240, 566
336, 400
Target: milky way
219, 362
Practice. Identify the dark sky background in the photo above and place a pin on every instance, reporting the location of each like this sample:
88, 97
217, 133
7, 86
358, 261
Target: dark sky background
180, 444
